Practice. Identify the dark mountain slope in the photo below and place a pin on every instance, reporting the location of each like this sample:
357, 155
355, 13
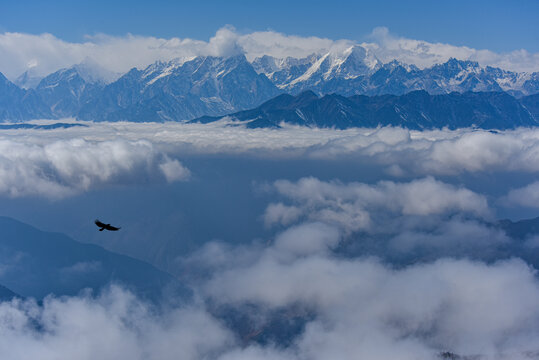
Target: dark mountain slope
6, 294
415, 110
38, 263
17, 104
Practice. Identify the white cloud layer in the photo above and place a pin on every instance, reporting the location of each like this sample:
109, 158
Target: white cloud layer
401, 151
115, 325
368, 310
43, 54
423, 214
360, 307
65, 167
43, 162
351, 306
350, 205
527, 196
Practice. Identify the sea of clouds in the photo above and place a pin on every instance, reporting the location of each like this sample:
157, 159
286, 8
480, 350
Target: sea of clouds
407, 267
358, 307
63, 162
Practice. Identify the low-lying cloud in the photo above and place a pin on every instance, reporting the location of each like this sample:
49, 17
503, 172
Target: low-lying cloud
358, 307
115, 325
366, 309
402, 221
350, 204
43, 162
61, 168
527, 196
299, 279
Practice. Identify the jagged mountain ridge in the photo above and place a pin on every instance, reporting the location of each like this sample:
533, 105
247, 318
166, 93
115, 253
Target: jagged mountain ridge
183, 89
414, 110
66, 90
355, 71
20, 104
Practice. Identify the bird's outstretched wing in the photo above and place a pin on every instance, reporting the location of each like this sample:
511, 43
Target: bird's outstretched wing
104, 226
99, 223
112, 228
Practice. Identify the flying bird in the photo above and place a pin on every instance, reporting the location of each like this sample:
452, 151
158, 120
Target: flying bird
106, 226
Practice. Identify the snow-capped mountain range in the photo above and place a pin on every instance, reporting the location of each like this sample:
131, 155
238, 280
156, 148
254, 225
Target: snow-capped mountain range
187, 88
356, 71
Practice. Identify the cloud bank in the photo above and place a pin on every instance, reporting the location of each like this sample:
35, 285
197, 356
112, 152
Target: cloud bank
527, 196
403, 222
357, 306
350, 204
45, 53
42, 162
366, 309
301, 280
66, 167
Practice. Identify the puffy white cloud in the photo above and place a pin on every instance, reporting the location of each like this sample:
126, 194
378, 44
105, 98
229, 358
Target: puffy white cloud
402, 151
46, 53
360, 306
350, 205
439, 151
307, 239
525, 196
455, 236
174, 170
43, 162
281, 45
365, 308
280, 213
65, 167
115, 325
355, 306
403, 222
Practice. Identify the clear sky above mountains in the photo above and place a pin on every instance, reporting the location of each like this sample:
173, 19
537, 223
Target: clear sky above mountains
497, 25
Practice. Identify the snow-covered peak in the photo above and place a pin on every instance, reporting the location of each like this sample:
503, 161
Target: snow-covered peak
28, 79
354, 61
161, 69
395, 64
212, 66
348, 63
362, 55
268, 64
94, 73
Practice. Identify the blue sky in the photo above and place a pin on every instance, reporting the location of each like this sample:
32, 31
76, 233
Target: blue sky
497, 25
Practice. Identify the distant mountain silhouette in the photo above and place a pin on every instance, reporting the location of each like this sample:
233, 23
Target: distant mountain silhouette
414, 110
6, 294
37, 263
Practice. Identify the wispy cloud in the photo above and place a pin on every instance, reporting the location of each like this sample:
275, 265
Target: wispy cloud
46, 53
388, 46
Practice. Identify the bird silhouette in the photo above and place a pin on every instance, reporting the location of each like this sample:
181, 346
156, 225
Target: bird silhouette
106, 226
